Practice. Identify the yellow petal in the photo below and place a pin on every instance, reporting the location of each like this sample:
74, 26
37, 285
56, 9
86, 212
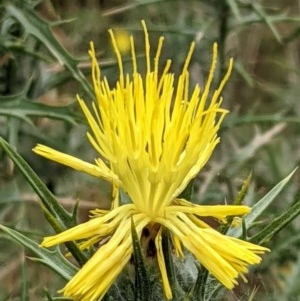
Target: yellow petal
94, 279
216, 211
100, 226
162, 265
224, 257
73, 162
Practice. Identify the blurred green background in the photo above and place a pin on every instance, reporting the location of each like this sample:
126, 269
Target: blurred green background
44, 64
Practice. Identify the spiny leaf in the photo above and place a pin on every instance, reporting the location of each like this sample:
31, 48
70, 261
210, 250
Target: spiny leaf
53, 259
20, 107
47, 198
277, 224
237, 201
197, 292
57, 216
40, 29
241, 195
260, 206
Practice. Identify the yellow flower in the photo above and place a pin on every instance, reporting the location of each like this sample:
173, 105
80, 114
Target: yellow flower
153, 136
122, 39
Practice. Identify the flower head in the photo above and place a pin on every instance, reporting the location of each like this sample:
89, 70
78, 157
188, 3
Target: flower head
153, 136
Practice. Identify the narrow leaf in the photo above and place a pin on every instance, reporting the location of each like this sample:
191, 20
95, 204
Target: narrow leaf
24, 281
260, 207
197, 292
277, 224
47, 198
142, 281
57, 216
242, 193
50, 258
40, 29
234, 8
237, 201
266, 19
169, 262
20, 107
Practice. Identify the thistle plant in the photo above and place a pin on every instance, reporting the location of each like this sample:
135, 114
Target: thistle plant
152, 137
152, 132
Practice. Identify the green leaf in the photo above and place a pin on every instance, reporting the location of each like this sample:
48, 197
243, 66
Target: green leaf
234, 8
235, 121
260, 207
277, 224
197, 292
20, 107
240, 69
256, 18
40, 29
266, 19
47, 198
167, 252
24, 281
51, 258
242, 193
59, 77
223, 228
50, 298
142, 280
57, 216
